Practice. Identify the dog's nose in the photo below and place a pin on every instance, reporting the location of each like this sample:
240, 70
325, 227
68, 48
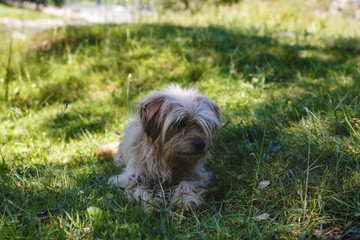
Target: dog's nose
199, 146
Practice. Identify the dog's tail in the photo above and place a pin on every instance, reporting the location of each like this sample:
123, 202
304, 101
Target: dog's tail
107, 150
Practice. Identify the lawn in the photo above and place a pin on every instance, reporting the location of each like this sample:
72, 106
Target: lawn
286, 75
7, 11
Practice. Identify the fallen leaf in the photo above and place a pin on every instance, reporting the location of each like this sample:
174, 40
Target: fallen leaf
263, 216
263, 184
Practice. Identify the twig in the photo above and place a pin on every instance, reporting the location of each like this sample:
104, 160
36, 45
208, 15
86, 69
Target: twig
227, 123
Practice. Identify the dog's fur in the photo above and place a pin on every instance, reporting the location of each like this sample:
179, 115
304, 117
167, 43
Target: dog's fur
165, 146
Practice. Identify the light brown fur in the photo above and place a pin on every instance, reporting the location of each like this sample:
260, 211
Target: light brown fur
107, 150
164, 148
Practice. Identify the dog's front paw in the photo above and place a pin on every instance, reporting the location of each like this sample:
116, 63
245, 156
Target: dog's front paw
153, 205
151, 200
186, 195
189, 202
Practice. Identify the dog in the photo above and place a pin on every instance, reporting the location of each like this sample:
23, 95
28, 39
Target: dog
164, 148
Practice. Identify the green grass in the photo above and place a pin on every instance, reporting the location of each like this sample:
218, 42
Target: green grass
7, 11
286, 78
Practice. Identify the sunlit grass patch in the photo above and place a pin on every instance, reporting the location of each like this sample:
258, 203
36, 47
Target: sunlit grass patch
7, 11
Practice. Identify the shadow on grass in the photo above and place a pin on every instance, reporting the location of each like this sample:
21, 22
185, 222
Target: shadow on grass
76, 200
241, 160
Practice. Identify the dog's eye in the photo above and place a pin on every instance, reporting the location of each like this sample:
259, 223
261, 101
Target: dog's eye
180, 123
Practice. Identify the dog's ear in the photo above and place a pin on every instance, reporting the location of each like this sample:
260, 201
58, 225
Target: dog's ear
217, 111
216, 125
150, 116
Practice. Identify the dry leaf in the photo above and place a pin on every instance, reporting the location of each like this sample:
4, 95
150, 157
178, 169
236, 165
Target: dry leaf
263, 184
263, 216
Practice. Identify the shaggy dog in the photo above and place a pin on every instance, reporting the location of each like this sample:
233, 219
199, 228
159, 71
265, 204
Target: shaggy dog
164, 148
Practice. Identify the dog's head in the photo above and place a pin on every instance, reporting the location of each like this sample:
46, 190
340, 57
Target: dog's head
179, 124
